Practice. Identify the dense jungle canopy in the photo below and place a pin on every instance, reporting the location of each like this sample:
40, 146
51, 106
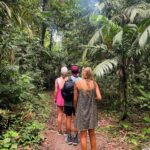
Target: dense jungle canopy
38, 37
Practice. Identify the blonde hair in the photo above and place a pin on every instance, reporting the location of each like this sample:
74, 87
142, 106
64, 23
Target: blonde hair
87, 73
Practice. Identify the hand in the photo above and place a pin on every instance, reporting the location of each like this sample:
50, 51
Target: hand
66, 79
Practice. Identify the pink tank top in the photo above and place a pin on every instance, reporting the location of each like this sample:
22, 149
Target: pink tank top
59, 98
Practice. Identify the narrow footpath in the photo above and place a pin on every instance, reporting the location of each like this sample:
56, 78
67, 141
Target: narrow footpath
53, 141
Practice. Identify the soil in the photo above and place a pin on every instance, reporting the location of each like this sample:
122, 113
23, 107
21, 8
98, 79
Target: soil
105, 141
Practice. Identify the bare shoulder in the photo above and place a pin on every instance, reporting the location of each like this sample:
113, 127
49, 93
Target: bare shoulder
78, 82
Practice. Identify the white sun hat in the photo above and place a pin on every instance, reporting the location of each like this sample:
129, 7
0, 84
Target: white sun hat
64, 70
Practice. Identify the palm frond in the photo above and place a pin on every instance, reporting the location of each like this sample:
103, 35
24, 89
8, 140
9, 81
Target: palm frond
133, 14
47, 53
94, 38
144, 37
100, 6
92, 42
5, 8
101, 47
118, 38
113, 4
132, 26
141, 10
105, 67
84, 55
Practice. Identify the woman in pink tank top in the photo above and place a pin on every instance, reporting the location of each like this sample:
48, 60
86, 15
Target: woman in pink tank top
59, 83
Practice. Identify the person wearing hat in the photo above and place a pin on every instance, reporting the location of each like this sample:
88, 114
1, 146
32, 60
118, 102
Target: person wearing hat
58, 99
70, 111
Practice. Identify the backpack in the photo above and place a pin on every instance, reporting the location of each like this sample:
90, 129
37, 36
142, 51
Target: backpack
68, 90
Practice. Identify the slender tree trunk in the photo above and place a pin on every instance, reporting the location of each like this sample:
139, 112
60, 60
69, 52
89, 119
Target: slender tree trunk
50, 81
43, 33
147, 75
123, 79
44, 2
137, 70
51, 40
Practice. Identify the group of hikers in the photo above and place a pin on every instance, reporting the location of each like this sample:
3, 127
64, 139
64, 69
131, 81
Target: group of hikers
76, 98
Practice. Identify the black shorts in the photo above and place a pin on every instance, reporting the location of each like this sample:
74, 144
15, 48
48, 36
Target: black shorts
69, 110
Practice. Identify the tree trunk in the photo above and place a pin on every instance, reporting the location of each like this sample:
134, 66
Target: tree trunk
44, 2
123, 80
43, 33
51, 40
137, 70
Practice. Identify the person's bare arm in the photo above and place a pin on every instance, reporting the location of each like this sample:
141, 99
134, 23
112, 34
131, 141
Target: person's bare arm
75, 97
98, 93
55, 91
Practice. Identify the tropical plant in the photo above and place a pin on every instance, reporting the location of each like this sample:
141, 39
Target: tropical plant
123, 43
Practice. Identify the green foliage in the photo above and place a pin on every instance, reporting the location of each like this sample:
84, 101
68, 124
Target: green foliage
22, 75
144, 37
147, 119
9, 140
26, 124
14, 87
5, 9
125, 125
143, 98
112, 35
30, 134
105, 67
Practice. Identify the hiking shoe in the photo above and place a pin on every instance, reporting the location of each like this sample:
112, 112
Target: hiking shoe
75, 141
68, 139
60, 132
65, 133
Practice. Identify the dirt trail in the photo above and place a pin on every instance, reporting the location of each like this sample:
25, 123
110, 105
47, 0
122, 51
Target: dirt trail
53, 141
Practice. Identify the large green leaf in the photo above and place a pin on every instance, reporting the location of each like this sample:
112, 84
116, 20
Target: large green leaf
144, 37
105, 67
100, 6
118, 38
5, 8
133, 14
94, 38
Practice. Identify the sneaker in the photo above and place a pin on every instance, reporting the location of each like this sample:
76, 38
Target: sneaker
75, 140
65, 133
60, 132
68, 139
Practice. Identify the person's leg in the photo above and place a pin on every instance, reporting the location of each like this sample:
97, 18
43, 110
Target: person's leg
75, 140
65, 121
68, 125
75, 130
68, 137
92, 139
65, 124
83, 139
59, 118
